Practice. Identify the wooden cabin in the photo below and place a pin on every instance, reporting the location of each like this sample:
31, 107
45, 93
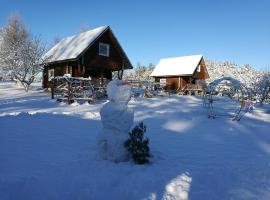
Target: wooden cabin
95, 53
180, 73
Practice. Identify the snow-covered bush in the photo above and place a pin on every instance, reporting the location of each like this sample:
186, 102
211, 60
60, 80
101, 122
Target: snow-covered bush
137, 145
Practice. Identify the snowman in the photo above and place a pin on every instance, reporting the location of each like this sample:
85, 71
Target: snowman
117, 119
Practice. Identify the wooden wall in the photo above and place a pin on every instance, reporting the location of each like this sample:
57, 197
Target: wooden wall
59, 70
203, 74
172, 83
96, 64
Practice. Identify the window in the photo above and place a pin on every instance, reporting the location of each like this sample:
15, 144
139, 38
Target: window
199, 68
162, 81
104, 49
50, 74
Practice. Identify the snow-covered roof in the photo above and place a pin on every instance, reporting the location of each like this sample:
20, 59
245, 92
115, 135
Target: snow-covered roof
185, 65
71, 47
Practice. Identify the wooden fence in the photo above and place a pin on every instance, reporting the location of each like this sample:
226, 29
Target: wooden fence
72, 88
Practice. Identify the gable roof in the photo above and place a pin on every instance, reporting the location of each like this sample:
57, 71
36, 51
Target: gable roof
185, 65
71, 47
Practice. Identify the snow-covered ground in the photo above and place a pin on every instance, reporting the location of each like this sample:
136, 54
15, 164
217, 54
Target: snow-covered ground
48, 150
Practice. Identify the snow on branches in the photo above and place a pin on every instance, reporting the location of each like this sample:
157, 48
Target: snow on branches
246, 74
263, 88
255, 81
20, 52
140, 73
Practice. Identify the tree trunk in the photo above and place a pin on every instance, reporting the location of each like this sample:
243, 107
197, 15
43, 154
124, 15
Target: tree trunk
26, 87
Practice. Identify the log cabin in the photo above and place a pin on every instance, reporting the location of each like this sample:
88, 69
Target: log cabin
180, 73
94, 53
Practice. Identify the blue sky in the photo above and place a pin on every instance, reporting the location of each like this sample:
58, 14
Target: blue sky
148, 30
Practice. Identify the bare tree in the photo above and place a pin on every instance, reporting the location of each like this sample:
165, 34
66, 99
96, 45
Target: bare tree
20, 52
140, 73
56, 40
84, 28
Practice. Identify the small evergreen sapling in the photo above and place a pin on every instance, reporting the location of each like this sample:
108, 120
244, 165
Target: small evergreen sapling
137, 145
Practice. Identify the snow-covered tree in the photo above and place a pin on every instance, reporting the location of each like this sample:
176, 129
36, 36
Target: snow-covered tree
1, 65
20, 52
246, 74
3, 75
256, 82
140, 73
263, 88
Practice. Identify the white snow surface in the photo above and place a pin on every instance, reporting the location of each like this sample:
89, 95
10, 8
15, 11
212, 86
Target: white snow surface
185, 65
48, 150
73, 46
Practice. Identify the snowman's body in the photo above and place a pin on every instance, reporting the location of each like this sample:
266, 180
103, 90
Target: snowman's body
117, 119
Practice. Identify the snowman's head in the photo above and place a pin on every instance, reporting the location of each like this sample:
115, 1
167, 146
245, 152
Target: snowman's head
118, 91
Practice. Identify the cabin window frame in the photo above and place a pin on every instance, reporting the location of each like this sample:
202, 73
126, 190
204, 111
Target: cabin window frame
105, 46
51, 74
163, 81
199, 68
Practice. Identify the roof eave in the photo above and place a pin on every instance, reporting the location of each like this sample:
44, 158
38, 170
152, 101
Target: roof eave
107, 28
61, 61
125, 55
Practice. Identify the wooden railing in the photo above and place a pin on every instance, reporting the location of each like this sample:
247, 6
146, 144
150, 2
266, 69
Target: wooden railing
191, 86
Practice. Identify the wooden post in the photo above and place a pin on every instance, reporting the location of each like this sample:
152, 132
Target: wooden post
70, 70
52, 89
69, 93
121, 71
101, 80
120, 74
66, 69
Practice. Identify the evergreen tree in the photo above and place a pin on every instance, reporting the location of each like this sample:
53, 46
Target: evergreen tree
137, 145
